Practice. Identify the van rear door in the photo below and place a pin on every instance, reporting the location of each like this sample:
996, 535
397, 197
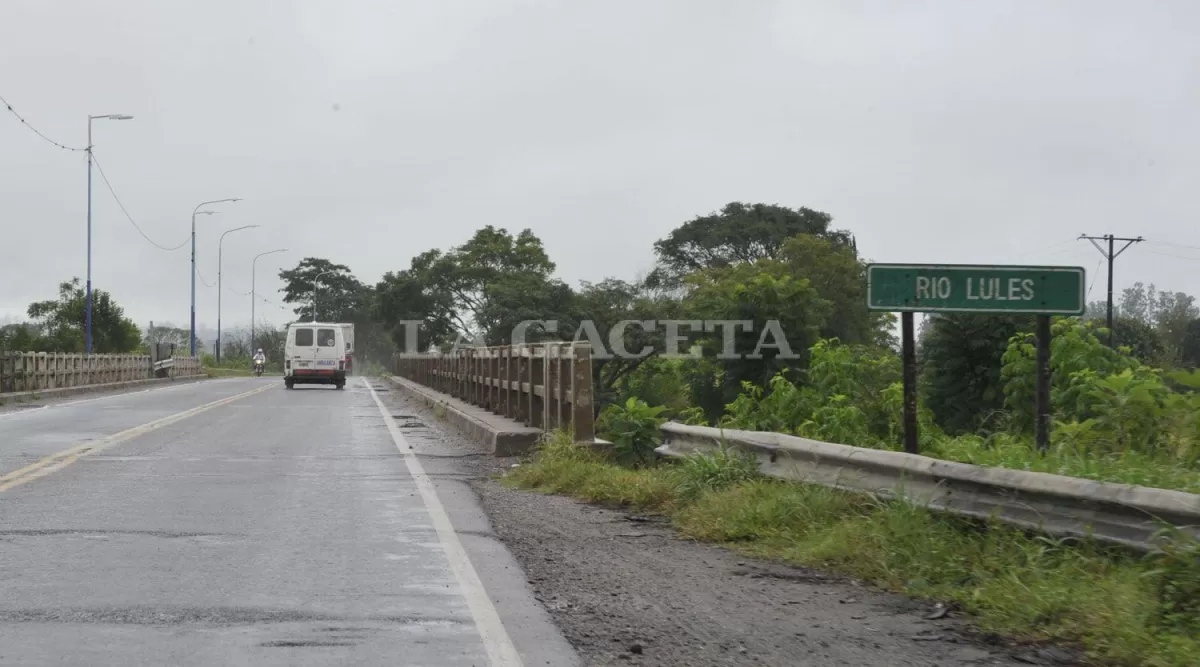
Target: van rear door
303, 351
328, 355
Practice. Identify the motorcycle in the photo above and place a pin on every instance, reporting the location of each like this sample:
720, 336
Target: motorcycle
258, 368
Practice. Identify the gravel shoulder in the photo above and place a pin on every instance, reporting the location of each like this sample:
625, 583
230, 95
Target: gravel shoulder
627, 590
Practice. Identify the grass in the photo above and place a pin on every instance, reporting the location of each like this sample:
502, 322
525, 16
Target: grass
227, 372
1121, 608
1132, 467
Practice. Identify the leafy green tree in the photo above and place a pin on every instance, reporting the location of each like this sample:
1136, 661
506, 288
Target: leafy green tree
1190, 349
1142, 339
784, 310
403, 296
1076, 355
514, 298
338, 295
1175, 310
740, 233
467, 276
62, 323
960, 360
833, 268
597, 310
20, 337
167, 334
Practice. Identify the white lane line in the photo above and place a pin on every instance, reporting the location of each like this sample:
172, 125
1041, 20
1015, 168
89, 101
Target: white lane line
60, 460
119, 394
25, 411
500, 649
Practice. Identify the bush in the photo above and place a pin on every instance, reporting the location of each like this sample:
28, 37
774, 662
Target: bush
632, 427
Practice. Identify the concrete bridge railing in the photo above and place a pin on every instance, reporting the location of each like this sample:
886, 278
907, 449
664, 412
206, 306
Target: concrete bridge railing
22, 372
542, 385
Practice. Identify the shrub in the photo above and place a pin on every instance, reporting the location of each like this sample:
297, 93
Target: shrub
632, 427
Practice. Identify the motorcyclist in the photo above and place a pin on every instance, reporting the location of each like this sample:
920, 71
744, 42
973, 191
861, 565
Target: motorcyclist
259, 357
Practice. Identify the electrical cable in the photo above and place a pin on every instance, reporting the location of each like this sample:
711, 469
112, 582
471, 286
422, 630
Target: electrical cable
128, 217
34, 129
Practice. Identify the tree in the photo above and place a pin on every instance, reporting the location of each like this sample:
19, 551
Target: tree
601, 307
404, 296
338, 295
1142, 339
961, 361
1190, 349
776, 302
521, 297
20, 337
62, 324
834, 270
464, 278
167, 334
1173, 314
740, 233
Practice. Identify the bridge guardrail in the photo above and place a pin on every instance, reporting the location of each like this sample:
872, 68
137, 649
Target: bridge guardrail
1057, 504
42, 371
543, 385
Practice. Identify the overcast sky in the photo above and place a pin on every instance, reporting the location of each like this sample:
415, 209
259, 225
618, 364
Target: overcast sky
367, 132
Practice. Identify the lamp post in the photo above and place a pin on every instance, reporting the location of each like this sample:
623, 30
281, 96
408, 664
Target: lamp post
192, 328
315, 280
220, 253
253, 296
112, 116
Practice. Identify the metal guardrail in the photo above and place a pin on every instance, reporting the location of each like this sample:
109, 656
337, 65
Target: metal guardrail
1056, 504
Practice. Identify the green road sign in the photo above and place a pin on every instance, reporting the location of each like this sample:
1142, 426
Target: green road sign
971, 288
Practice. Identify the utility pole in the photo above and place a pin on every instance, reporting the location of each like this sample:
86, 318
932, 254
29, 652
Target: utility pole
1110, 255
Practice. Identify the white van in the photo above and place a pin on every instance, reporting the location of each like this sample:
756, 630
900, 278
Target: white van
315, 353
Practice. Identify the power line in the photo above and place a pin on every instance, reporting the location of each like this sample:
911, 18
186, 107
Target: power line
34, 129
1174, 245
1110, 255
1167, 254
202, 280
1093, 284
127, 216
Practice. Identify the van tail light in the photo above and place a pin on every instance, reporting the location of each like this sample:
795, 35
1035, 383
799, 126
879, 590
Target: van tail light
342, 365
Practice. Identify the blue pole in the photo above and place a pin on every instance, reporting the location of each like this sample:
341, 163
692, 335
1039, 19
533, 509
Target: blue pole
192, 329
89, 238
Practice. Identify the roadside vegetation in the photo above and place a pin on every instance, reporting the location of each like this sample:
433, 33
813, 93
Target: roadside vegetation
1119, 607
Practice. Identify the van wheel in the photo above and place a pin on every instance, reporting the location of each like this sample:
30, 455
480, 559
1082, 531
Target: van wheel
289, 384
341, 385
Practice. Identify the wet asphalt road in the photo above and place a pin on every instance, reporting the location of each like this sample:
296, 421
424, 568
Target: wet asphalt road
233, 522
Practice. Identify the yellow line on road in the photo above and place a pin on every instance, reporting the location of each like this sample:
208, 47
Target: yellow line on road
66, 457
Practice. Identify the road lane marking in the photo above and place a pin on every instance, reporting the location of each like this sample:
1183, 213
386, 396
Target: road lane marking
66, 457
500, 649
118, 394
23, 411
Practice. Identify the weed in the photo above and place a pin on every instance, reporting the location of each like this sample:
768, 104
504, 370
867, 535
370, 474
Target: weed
633, 429
1123, 609
714, 471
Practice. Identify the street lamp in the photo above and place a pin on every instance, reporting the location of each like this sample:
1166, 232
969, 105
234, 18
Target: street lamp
195, 211
253, 296
111, 116
220, 249
315, 290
